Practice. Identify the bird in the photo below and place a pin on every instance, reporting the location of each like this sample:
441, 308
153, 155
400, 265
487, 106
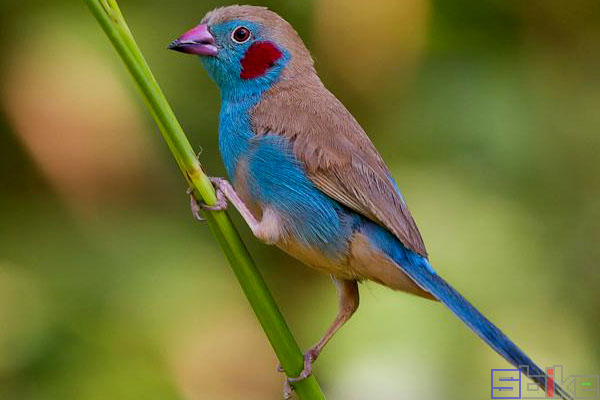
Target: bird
306, 178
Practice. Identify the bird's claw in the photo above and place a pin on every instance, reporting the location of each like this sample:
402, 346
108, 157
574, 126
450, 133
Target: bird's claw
288, 390
309, 358
197, 206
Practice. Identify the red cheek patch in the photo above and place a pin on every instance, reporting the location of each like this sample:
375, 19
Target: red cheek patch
259, 57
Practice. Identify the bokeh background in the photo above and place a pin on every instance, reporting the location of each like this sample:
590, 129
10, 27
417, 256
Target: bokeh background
488, 114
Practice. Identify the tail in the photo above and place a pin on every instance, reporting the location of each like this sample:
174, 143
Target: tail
422, 273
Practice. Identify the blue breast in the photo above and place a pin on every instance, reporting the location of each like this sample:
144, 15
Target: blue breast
277, 179
235, 131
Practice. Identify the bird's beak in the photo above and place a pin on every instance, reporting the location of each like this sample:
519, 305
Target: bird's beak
197, 40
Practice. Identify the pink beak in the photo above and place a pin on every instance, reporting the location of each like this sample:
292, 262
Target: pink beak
197, 40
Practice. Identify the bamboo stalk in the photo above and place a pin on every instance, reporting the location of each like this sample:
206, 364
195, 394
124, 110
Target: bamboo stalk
110, 18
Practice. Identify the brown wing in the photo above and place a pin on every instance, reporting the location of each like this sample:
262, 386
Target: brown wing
339, 157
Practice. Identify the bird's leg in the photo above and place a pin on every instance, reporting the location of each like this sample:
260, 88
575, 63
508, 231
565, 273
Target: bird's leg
226, 193
348, 303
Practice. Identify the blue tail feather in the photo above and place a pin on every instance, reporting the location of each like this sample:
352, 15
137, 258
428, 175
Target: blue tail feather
489, 332
419, 269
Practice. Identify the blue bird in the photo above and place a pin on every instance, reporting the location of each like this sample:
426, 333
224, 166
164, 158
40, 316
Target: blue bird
306, 178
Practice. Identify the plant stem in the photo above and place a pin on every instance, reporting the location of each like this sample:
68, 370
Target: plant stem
110, 18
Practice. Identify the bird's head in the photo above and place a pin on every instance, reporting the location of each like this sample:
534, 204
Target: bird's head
246, 49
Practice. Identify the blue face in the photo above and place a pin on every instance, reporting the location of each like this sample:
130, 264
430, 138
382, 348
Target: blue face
248, 61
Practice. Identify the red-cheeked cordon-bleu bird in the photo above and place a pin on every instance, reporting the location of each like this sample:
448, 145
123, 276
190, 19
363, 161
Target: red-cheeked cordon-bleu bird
306, 178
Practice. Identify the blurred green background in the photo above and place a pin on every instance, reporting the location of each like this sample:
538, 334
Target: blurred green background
487, 113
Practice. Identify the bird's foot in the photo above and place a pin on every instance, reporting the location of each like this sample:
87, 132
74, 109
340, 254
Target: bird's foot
309, 358
197, 206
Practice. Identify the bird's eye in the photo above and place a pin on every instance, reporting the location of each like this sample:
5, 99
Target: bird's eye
240, 34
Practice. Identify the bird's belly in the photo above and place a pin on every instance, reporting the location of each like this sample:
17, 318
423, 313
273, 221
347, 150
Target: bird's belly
315, 258
274, 231
360, 261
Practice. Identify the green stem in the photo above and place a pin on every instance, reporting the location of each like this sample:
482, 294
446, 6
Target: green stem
110, 18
